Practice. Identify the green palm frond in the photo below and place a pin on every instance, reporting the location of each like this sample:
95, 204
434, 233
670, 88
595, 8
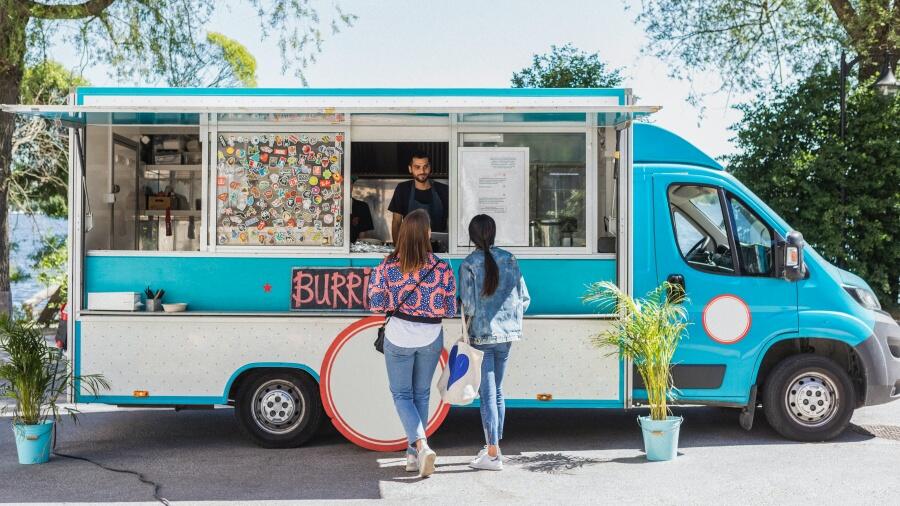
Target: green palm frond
34, 376
647, 332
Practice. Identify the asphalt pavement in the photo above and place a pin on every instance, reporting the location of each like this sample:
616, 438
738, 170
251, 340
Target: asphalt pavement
560, 456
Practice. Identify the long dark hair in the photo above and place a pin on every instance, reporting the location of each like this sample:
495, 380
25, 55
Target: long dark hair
482, 231
413, 244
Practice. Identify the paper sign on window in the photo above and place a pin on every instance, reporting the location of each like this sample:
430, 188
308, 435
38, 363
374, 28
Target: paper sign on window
494, 181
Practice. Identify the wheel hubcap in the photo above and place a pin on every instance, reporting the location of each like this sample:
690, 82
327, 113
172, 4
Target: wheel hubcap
812, 399
278, 406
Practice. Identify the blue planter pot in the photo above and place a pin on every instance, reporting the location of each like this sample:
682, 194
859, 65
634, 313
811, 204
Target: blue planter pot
33, 442
660, 437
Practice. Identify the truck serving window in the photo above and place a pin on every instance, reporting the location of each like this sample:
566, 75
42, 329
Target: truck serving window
699, 226
556, 186
753, 239
144, 188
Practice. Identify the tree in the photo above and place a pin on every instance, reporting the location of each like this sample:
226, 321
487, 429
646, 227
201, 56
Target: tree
567, 67
142, 41
751, 44
239, 67
843, 197
39, 176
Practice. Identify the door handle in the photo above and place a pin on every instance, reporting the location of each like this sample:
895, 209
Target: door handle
676, 295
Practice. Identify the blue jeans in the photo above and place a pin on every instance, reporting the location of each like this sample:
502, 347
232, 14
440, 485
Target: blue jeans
410, 371
493, 409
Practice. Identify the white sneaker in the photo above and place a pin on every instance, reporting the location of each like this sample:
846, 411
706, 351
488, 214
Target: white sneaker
426, 458
488, 463
412, 463
483, 451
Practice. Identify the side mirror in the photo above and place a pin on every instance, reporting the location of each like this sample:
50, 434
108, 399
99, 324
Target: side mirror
789, 254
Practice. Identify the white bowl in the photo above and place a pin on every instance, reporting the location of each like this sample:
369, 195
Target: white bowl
175, 307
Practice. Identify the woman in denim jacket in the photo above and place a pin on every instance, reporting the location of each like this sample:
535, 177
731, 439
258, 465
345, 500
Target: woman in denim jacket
494, 298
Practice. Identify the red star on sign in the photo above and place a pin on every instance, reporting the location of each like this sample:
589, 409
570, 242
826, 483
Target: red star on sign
267, 288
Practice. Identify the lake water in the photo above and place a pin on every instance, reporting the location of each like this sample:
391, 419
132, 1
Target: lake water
26, 231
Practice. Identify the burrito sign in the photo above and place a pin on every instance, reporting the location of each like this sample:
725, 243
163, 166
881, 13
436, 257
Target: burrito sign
331, 289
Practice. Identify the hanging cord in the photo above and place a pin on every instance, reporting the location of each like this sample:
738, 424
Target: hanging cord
140, 476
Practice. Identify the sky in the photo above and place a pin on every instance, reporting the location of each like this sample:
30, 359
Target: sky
466, 43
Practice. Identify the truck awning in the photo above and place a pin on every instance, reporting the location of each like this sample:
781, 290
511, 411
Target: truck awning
175, 106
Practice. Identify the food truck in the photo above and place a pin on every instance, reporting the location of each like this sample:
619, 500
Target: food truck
212, 260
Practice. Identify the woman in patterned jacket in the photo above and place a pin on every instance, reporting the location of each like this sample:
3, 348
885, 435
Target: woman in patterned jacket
420, 290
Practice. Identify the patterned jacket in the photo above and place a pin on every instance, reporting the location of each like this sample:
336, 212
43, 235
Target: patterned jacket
435, 297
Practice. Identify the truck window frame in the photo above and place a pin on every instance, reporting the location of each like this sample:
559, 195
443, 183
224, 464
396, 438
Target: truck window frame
587, 129
729, 231
216, 128
733, 225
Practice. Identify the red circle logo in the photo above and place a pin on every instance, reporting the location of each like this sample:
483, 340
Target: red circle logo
339, 422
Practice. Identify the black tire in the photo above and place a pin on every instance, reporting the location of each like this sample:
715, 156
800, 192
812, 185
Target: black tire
827, 395
299, 416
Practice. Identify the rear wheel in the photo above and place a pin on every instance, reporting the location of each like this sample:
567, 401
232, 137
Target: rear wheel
809, 398
279, 409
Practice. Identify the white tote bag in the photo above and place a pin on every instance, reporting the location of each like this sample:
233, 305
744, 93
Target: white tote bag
461, 378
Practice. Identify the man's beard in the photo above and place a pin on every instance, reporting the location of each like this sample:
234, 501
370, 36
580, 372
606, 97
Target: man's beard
421, 178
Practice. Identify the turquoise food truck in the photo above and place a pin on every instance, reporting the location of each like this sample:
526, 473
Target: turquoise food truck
242, 213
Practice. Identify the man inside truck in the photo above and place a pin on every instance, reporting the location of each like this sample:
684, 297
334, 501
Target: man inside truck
421, 193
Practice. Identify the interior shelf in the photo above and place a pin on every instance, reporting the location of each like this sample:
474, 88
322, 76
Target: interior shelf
157, 212
174, 168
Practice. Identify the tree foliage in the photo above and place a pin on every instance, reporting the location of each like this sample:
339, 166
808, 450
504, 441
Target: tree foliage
240, 67
567, 67
752, 44
843, 197
164, 42
40, 169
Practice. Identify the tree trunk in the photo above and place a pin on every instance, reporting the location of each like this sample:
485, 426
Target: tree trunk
51, 308
13, 21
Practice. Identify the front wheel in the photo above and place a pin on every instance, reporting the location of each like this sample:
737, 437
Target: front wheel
809, 398
279, 409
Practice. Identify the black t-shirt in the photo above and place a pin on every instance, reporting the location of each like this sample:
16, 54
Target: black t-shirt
360, 219
400, 201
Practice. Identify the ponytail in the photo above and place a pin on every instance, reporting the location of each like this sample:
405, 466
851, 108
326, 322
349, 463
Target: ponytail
482, 231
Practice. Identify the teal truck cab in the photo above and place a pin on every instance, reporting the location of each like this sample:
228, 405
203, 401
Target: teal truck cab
772, 321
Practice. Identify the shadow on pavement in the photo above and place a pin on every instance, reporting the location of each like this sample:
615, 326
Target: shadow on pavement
201, 455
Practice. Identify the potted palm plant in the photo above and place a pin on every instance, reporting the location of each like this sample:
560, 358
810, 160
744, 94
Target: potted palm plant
34, 376
647, 333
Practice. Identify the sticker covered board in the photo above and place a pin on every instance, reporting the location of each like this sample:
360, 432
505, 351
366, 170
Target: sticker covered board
279, 189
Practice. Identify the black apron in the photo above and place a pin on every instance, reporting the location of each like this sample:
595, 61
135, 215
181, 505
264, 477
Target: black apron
435, 210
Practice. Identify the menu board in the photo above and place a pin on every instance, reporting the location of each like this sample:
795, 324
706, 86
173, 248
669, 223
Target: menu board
279, 189
494, 181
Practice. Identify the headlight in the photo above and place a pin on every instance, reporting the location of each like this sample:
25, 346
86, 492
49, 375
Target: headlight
865, 297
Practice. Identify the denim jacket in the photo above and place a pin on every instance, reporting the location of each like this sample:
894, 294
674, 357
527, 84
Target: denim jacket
496, 318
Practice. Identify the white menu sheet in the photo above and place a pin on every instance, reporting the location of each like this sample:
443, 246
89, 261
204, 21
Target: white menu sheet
494, 181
